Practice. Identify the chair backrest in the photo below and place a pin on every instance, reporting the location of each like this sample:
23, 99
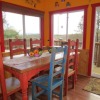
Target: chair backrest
17, 46
55, 60
72, 56
64, 43
35, 43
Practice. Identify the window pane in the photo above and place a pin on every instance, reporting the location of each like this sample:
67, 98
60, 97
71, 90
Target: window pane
32, 27
59, 28
13, 28
68, 26
20, 26
75, 26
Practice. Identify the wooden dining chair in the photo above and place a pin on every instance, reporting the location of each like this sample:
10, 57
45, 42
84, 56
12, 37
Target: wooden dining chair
8, 86
35, 43
16, 47
71, 65
49, 82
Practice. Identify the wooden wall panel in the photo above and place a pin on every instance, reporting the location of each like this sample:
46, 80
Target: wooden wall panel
83, 62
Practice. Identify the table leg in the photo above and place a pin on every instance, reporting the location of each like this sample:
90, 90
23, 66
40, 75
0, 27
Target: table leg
24, 86
3, 85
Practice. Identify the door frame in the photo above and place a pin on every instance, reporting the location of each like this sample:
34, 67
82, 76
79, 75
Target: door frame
92, 37
84, 8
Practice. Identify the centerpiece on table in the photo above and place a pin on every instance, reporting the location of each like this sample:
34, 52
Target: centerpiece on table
35, 52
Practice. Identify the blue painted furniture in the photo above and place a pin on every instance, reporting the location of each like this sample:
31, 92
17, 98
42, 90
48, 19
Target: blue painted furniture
49, 82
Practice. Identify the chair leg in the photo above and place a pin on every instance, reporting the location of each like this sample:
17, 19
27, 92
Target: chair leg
73, 80
65, 87
33, 91
49, 95
13, 97
61, 92
76, 75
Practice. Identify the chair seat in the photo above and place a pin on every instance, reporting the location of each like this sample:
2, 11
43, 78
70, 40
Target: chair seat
42, 81
12, 84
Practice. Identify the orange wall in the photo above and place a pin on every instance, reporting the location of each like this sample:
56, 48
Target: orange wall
49, 5
39, 6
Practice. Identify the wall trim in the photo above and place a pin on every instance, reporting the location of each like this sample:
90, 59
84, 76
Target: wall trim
92, 37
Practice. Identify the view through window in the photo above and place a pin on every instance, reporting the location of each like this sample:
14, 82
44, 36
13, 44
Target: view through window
68, 26
20, 26
96, 45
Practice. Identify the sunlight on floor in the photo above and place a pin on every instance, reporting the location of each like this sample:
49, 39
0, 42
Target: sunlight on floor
96, 70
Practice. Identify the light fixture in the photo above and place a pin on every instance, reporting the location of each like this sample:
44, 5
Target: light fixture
68, 4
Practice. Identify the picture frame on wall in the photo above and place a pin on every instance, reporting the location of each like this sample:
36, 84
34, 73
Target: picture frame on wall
56, 4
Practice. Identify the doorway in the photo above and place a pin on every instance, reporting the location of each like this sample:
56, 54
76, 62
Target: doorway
96, 45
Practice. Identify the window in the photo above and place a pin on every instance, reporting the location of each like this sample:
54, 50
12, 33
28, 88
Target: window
32, 27
20, 26
68, 25
13, 25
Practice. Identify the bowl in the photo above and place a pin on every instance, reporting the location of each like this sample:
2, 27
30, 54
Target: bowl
36, 52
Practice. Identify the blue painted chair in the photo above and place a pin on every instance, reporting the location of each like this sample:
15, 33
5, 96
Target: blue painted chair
50, 82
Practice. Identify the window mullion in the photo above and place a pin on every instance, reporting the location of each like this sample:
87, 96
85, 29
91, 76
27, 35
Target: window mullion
23, 19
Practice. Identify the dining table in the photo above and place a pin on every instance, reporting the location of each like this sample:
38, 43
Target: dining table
26, 67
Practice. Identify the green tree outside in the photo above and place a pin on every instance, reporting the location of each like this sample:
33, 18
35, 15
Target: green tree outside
10, 33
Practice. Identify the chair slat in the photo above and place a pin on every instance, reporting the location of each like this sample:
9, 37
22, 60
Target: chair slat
72, 43
18, 42
71, 64
35, 43
58, 62
18, 50
57, 73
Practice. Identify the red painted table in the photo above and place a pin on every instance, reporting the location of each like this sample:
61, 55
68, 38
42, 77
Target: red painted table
24, 68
